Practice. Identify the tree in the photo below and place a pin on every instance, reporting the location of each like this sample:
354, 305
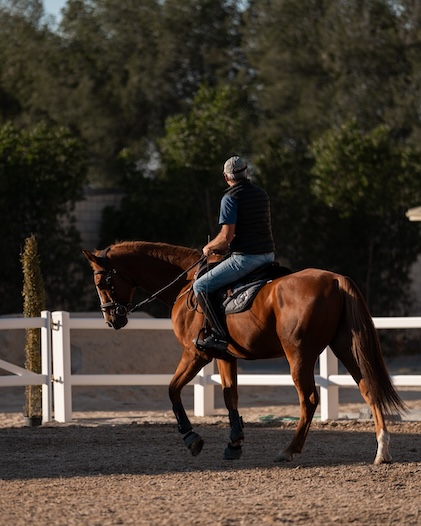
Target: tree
369, 180
42, 173
113, 72
33, 303
299, 221
121, 77
195, 147
22, 59
318, 64
186, 189
210, 51
282, 44
366, 56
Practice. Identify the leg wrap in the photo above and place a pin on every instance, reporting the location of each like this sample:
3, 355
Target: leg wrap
236, 423
184, 425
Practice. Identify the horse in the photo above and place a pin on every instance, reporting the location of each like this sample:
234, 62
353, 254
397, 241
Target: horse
295, 316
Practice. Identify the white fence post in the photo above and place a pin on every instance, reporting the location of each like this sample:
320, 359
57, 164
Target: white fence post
56, 356
61, 367
46, 357
204, 394
329, 394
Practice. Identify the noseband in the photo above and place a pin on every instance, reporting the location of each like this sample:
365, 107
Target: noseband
120, 309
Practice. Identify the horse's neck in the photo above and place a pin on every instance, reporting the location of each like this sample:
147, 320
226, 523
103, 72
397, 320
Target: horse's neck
153, 266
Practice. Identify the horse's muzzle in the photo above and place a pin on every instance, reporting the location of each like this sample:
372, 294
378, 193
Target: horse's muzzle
117, 322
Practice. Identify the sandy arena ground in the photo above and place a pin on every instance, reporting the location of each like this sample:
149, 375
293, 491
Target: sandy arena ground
111, 468
122, 461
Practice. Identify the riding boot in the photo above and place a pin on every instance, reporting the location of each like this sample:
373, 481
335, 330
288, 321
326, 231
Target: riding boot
217, 339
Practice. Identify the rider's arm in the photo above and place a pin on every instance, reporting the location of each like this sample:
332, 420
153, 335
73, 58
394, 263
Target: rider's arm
220, 243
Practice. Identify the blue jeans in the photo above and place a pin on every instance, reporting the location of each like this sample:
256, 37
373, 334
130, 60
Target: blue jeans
235, 267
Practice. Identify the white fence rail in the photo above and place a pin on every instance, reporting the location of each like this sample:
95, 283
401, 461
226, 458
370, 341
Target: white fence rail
23, 377
57, 379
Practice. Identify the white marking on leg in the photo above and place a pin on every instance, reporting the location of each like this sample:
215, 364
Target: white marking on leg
383, 454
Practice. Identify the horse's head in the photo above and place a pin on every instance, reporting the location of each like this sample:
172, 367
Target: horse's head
115, 293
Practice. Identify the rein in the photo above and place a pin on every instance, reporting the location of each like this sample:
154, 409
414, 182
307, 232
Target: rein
125, 309
153, 296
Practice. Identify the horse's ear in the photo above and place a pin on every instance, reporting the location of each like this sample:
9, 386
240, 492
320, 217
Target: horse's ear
90, 257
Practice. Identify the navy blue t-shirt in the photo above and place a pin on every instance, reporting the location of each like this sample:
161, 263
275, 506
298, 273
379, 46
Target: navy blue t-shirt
228, 210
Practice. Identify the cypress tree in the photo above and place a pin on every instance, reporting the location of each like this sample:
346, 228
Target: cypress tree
33, 303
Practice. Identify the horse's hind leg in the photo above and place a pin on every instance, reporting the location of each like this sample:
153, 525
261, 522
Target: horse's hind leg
228, 371
341, 348
382, 435
190, 364
303, 376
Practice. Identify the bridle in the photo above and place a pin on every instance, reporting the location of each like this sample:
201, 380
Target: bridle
120, 309
123, 309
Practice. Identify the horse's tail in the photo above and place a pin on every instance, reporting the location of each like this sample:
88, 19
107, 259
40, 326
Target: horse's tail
365, 346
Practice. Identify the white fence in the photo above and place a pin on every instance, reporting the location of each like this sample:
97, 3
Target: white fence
57, 379
21, 376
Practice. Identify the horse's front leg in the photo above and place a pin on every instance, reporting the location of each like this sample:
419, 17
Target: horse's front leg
190, 364
228, 372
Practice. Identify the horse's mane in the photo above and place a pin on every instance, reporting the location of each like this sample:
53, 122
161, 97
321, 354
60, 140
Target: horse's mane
173, 254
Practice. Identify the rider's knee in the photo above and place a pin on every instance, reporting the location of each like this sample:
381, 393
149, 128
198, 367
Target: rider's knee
198, 287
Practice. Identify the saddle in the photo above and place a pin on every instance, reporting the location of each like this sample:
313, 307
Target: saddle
239, 296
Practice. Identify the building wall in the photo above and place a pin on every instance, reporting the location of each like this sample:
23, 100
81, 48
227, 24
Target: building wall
88, 214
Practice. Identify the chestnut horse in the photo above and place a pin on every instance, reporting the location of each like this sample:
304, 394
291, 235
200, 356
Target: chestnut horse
295, 316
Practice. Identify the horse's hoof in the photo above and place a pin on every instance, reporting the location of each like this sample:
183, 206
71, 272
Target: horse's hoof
283, 456
194, 443
232, 452
196, 447
382, 460
383, 455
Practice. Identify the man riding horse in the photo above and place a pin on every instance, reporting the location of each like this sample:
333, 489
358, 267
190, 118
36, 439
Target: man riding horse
246, 234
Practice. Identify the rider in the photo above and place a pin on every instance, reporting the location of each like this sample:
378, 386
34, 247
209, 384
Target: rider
246, 233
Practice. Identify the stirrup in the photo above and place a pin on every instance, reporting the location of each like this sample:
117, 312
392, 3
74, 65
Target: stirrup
212, 341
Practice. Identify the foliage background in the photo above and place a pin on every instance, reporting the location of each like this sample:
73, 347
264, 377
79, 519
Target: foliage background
322, 97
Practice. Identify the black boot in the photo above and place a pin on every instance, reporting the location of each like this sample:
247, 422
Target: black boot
217, 339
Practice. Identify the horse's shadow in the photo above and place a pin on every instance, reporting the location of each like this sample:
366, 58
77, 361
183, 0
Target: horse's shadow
80, 450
